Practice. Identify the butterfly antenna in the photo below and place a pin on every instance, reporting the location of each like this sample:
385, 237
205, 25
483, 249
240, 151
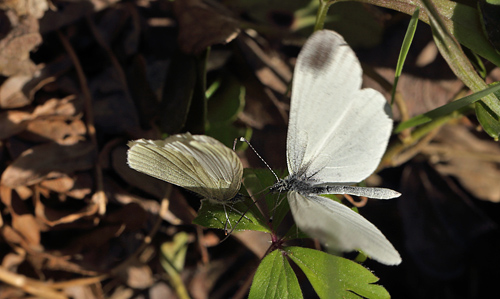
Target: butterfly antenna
253, 149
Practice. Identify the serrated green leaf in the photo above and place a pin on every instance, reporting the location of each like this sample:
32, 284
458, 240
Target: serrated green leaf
335, 277
213, 215
275, 278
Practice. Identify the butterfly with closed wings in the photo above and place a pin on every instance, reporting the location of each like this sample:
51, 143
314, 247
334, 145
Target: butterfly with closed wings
198, 163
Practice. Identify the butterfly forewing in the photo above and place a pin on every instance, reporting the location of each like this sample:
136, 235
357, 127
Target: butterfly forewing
337, 132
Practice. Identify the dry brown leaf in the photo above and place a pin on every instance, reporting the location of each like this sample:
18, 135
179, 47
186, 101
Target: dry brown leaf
53, 129
473, 161
201, 25
39, 162
22, 221
136, 274
24, 192
78, 186
122, 216
13, 122
15, 48
35, 8
63, 107
53, 216
28, 227
12, 260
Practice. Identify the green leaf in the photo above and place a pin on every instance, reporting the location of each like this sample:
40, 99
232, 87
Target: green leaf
461, 66
177, 92
410, 33
275, 278
459, 18
490, 19
213, 215
487, 118
447, 109
227, 101
172, 258
226, 133
335, 277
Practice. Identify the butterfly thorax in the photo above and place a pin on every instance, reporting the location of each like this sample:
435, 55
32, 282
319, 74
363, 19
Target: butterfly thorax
299, 184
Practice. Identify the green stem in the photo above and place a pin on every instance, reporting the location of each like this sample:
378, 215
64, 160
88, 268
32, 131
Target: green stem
324, 5
398, 147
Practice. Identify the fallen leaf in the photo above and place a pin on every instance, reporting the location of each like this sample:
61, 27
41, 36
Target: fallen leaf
201, 25
39, 162
13, 122
15, 48
35, 8
54, 129
475, 162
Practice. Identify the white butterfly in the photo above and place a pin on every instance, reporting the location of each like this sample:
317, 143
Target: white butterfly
337, 135
197, 163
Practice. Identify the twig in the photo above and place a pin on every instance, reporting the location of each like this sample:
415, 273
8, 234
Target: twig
99, 195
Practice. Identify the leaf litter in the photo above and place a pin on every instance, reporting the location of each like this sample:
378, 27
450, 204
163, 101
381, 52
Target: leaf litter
80, 79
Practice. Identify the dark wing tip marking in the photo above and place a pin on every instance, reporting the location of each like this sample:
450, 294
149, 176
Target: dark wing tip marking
320, 49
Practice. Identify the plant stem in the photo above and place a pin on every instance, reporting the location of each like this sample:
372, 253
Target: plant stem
324, 5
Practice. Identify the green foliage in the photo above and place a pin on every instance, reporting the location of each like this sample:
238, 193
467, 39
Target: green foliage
331, 276
410, 33
226, 99
173, 255
275, 279
335, 277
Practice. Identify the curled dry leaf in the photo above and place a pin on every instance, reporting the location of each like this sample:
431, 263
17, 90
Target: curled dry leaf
473, 161
201, 25
13, 122
54, 129
53, 216
22, 221
35, 8
77, 186
38, 162
136, 274
15, 48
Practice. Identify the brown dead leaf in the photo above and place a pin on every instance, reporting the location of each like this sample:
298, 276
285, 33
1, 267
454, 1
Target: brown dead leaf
13, 122
52, 216
78, 186
62, 107
23, 221
38, 162
473, 161
35, 8
136, 274
12, 260
15, 48
122, 216
201, 25
54, 129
